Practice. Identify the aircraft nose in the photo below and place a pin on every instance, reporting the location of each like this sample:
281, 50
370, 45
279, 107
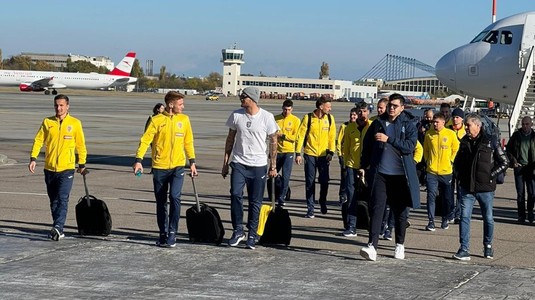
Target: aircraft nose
445, 70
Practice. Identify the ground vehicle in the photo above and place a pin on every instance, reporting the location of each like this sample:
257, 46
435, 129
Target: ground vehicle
212, 97
299, 96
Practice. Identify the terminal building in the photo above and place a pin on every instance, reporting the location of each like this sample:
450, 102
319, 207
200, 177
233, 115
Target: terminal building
59, 61
286, 87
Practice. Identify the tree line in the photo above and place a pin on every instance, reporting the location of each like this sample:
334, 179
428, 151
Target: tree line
162, 80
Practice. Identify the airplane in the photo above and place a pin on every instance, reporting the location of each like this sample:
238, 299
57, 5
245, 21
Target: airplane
496, 65
38, 81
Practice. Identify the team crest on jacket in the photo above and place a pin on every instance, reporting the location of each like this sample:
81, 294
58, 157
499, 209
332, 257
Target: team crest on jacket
444, 139
69, 128
179, 125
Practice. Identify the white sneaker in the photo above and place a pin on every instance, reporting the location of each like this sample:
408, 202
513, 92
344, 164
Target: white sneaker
399, 253
369, 252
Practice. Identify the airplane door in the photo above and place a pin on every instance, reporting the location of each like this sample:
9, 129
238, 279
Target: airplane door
528, 40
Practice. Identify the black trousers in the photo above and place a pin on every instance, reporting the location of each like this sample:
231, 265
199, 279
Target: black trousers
394, 190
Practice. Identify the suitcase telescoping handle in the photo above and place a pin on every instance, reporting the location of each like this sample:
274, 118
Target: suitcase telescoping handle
272, 194
86, 190
195, 192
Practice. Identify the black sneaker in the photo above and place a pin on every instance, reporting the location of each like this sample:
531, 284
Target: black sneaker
251, 243
488, 252
55, 234
171, 240
350, 233
387, 235
430, 226
237, 237
162, 240
462, 255
444, 225
323, 206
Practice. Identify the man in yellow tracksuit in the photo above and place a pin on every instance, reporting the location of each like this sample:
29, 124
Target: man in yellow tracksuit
286, 138
61, 135
351, 151
440, 147
317, 136
342, 191
172, 142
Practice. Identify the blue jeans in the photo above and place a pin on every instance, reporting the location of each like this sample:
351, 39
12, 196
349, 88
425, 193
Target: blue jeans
529, 183
58, 188
172, 180
313, 163
442, 184
485, 201
255, 180
285, 161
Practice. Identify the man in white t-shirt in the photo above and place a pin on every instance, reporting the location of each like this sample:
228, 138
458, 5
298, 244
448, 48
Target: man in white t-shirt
245, 152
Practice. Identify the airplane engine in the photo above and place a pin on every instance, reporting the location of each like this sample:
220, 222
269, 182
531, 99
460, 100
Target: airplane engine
27, 87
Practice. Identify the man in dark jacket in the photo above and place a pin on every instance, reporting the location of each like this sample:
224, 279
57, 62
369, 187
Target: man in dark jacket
479, 160
387, 159
521, 153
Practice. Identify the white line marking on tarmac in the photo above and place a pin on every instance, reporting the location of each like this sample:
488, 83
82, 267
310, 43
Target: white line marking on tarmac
19, 193
466, 280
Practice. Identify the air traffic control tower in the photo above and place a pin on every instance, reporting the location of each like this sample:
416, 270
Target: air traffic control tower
232, 61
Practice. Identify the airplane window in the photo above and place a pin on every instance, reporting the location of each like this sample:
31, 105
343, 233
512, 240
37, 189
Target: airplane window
506, 37
491, 37
479, 37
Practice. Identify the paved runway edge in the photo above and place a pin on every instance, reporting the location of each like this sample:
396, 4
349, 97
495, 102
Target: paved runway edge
117, 267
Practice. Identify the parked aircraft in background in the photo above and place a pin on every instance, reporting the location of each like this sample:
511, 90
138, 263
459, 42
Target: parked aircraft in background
493, 64
38, 81
496, 65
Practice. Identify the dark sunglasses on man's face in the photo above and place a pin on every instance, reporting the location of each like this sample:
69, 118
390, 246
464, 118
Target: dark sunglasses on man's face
243, 96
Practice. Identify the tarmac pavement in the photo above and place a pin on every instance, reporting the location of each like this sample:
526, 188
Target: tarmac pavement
319, 263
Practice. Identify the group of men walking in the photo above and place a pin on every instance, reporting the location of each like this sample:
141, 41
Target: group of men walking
377, 157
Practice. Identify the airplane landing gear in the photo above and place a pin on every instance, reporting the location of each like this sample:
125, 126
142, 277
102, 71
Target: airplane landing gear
54, 92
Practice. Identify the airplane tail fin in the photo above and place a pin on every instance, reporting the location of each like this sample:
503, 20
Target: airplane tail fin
125, 66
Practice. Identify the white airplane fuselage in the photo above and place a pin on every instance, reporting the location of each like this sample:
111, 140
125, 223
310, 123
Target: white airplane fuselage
63, 79
492, 65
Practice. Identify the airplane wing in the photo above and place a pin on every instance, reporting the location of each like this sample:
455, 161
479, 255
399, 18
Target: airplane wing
47, 82
41, 83
120, 81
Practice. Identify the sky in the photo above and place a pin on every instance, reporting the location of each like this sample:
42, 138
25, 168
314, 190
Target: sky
280, 38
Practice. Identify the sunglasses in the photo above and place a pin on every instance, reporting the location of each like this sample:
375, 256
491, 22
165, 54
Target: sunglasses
243, 96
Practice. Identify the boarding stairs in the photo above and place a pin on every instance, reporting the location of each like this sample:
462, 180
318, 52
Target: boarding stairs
525, 100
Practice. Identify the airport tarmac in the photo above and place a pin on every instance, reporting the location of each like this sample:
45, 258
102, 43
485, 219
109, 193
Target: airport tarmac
319, 263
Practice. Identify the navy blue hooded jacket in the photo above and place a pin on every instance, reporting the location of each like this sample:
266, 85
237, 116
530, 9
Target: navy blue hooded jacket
404, 142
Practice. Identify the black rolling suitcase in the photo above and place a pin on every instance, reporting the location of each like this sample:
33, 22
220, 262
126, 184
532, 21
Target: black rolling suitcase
92, 215
363, 215
278, 228
204, 223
